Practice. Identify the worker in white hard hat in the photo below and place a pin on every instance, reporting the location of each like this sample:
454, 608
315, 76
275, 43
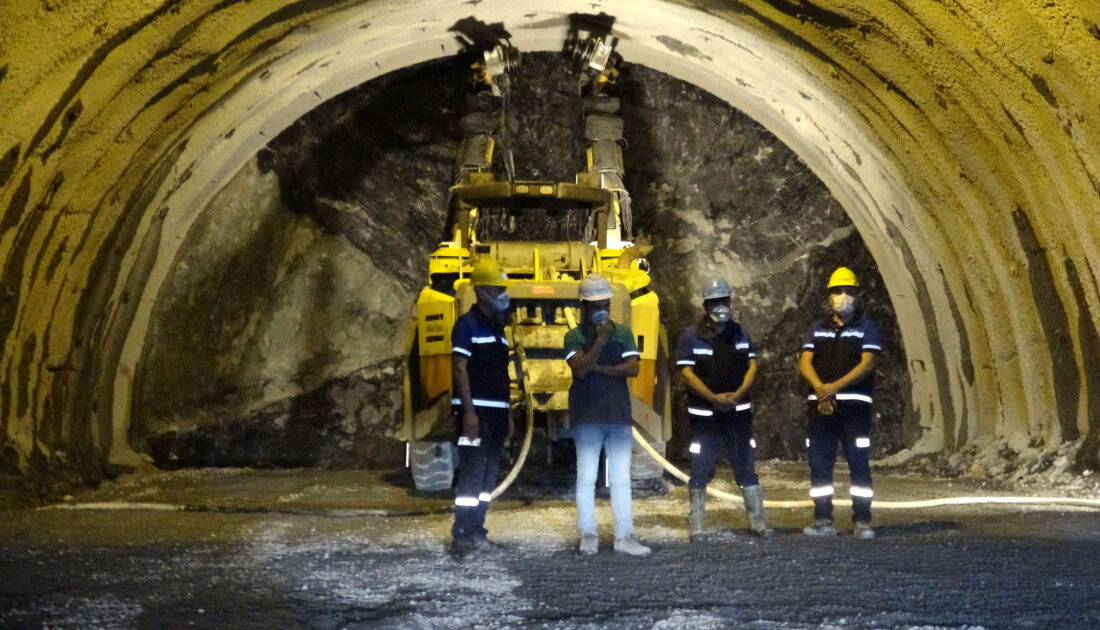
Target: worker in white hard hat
717, 360
838, 362
479, 366
602, 355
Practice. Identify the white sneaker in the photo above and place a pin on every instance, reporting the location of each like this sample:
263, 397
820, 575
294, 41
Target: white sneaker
631, 546
590, 544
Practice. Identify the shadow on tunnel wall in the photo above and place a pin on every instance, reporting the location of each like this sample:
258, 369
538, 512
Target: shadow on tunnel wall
277, 339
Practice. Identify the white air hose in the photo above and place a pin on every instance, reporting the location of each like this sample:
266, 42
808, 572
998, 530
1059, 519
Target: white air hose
880, 505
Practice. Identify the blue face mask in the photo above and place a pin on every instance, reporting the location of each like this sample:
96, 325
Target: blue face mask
599, 317
720, 314
500, 303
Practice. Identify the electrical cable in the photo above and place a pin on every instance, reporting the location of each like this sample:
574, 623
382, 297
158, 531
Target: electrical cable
880, 505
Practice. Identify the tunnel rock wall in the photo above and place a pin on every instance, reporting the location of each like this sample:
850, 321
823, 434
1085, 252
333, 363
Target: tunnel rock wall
960, 137
275, 342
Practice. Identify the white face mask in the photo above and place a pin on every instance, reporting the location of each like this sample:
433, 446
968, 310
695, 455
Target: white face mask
843, 305
720, 314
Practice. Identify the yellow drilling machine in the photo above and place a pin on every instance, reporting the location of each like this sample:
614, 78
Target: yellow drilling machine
484, 217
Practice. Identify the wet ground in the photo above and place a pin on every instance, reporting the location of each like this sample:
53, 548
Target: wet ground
360, 549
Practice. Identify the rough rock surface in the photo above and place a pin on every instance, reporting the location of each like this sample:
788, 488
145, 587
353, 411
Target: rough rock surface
323, 248
356, 549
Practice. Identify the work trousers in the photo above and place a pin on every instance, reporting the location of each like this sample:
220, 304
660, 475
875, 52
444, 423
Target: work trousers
850, 426
709, 434
616, 441
477, 473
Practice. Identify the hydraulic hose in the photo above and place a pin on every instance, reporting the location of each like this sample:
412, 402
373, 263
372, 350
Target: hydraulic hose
881, 505
522, 454
530, 427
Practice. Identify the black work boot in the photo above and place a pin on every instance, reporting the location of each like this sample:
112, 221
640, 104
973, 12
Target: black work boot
461, 548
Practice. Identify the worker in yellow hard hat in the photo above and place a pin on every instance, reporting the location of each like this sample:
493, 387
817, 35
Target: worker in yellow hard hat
838, 362
479, 361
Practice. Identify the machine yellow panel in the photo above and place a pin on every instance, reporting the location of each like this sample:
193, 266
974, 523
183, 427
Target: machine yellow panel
435, 316
642, 385
645, 321
435, 375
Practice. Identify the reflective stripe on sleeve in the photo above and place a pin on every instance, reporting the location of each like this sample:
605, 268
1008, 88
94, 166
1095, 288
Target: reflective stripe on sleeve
821, 491
481, 402
570, 355
462, 351
862, 492
631, 353
743, 407
871, 346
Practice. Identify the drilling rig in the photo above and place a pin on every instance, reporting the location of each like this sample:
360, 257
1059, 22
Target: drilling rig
592, 216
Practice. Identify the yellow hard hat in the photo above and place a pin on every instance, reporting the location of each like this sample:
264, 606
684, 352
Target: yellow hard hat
487, 273
843, 277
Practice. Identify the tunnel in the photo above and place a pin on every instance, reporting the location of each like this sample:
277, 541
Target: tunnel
959, 138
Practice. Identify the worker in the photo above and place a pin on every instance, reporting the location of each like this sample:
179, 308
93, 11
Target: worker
717, 360
479, 361
838, 362
602, 354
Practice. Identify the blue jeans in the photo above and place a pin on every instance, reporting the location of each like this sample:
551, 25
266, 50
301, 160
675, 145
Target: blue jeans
616, 441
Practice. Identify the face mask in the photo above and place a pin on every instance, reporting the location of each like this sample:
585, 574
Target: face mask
719, 314
599, 317
843, 304
500, 303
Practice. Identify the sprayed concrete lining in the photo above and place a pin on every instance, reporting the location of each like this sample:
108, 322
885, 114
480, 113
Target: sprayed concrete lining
960, 137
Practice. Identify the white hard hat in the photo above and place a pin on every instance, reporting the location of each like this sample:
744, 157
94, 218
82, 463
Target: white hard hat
594, 288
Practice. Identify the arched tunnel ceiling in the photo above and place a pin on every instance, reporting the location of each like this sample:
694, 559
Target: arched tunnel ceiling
961, 138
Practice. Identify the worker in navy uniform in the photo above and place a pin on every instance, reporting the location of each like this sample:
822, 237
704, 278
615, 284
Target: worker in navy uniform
838, 361
717, 360
479, 359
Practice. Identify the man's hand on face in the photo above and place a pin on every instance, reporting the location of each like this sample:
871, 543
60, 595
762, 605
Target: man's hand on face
604, 330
